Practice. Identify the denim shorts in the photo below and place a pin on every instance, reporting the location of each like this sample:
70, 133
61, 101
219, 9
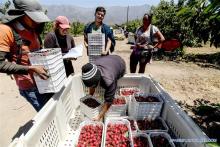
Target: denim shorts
36, 99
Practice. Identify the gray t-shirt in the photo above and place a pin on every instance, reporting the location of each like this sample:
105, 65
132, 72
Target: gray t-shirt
112, 67
144, 37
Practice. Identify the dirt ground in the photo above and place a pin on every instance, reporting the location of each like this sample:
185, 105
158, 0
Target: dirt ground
184, 81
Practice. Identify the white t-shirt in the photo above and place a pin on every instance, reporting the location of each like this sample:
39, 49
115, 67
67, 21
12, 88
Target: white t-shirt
96, 30
144, 37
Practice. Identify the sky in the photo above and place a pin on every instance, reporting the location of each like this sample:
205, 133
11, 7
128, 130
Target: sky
94, 3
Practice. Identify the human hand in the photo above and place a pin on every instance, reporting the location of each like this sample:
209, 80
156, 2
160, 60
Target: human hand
104, 109
98, 118
39, 70
104, 53
138, 45
132, 46
148, 47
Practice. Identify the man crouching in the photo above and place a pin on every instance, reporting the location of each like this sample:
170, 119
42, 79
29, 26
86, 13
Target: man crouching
105, 71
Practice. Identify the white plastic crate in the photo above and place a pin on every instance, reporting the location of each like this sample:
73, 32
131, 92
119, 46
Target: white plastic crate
117, 110
90, 112
149, 110
128, 91
52, 60
92, 58
47, 63
95, 50
55, 125
53, 84
86, 123
135, 129
55, 67
163, 134
181, 126
45, 56
96, 39
154, 130
96, 43
118, 121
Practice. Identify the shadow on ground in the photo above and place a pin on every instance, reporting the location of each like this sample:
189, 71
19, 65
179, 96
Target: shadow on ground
209, 59
23, 129
206, 115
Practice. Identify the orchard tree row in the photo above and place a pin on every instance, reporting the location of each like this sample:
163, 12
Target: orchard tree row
192, 21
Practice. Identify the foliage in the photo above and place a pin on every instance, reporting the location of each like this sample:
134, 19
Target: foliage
193, 14
204, 19
213, 11
4, 7
77, 28
48, 27
119, 38
213, 144
132, 26
193, 21
173, 26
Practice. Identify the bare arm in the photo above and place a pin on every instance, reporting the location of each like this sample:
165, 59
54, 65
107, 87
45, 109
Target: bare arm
109, 42
91, 91
86, 43
105, 108
12, 68
160, 37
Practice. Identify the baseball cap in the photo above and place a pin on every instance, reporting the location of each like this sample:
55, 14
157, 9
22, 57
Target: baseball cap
32, 8
63, 22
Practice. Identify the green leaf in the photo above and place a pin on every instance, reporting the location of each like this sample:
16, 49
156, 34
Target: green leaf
213, 144
126, 134
183, 11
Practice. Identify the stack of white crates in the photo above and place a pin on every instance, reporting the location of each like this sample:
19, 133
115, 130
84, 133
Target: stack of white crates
96, 43
52, 61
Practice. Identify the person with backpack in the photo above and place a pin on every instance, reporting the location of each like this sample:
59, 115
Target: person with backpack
61, 39
19, 35
99, 27
145, 38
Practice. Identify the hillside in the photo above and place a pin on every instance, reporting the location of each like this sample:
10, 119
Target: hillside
114, 15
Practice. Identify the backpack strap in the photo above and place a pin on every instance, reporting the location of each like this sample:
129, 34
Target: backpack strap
18, 42
151, 34
41, 42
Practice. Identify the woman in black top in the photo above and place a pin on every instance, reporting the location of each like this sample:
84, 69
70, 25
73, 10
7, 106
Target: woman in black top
61, 39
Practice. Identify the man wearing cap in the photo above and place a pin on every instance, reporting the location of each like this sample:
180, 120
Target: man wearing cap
61, 39
105, 71
19, 35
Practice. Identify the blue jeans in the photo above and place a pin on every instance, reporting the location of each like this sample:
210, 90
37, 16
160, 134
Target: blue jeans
36, 99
